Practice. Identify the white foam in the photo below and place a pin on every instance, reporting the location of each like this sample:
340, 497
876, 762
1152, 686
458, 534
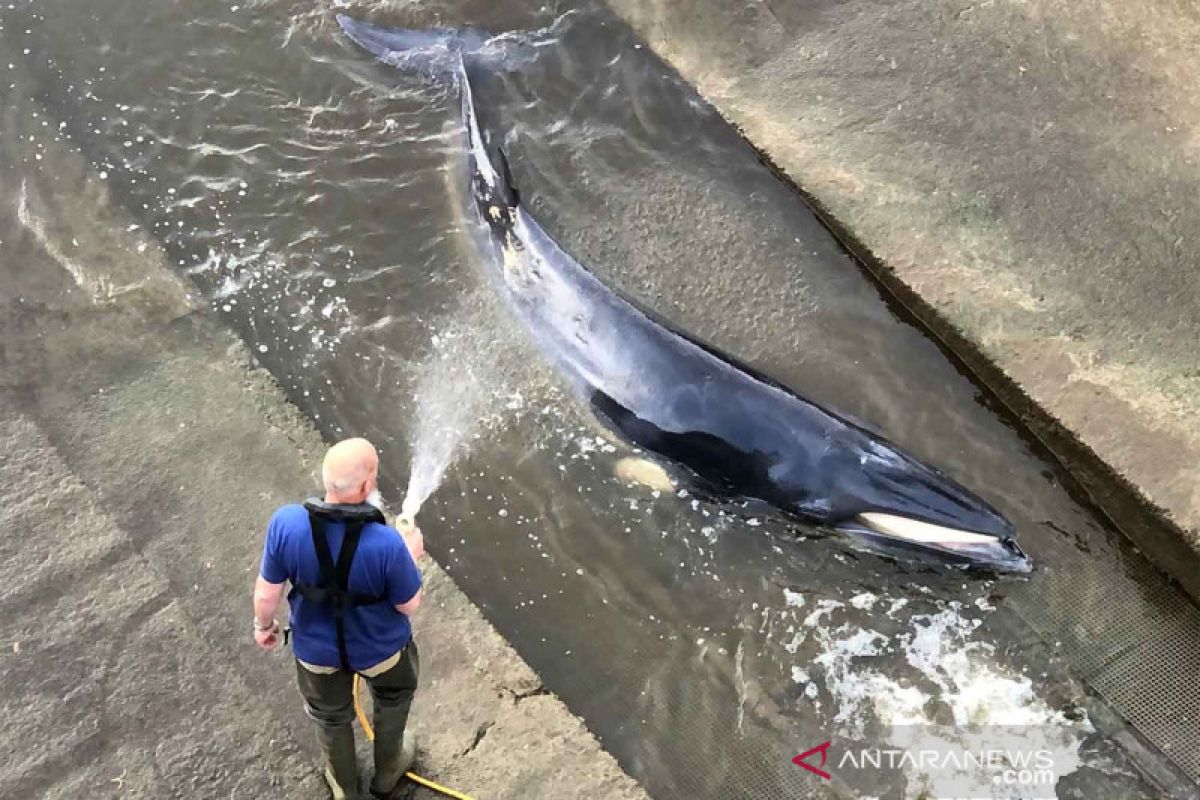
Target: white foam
863, 601
967, 681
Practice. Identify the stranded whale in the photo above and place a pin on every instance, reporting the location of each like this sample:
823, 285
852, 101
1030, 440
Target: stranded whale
733, 432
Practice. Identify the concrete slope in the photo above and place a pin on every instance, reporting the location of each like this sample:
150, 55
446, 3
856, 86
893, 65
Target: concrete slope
1024, 176
108, 686
143, 455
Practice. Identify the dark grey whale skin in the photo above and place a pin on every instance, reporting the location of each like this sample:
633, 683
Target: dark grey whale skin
735, 433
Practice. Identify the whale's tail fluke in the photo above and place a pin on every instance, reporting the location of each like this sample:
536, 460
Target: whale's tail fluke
440, 52
435, 52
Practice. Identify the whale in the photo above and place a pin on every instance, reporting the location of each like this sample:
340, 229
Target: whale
726, 430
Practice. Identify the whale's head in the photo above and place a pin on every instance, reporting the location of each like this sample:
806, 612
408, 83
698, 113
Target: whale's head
894, 503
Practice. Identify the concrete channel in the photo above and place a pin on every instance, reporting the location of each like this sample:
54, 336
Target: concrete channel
127, 594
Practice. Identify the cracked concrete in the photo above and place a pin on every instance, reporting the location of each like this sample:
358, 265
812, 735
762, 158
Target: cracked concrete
143, 455
1023, 174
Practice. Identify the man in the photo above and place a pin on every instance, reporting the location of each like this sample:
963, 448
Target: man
354, 585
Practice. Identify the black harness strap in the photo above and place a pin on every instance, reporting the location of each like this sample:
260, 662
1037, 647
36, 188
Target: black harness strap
333, 590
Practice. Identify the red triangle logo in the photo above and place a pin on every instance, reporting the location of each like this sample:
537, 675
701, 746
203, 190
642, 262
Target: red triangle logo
802, 760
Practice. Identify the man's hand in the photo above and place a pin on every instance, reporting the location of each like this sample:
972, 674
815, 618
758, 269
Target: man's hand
267, 638
415, 541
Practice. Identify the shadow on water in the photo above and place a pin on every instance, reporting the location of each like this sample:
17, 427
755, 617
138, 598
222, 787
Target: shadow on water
313, 197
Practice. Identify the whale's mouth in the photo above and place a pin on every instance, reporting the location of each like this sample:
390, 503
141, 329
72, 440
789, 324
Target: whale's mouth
916, 538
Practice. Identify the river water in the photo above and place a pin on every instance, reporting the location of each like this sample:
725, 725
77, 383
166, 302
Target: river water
314, 197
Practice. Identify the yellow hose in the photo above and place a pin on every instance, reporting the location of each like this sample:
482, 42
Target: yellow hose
412, 776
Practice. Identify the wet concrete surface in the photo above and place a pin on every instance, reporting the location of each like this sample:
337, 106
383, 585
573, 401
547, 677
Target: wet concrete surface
308, 195
143, 454
1025, 173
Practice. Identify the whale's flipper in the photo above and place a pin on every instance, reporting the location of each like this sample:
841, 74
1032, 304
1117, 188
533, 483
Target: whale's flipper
646, 473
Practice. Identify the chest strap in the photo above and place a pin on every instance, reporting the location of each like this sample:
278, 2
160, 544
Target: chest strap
333, 588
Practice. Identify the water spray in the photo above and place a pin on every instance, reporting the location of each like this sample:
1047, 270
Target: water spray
462, 381
425, 473
406, 524
407, 520
448, 400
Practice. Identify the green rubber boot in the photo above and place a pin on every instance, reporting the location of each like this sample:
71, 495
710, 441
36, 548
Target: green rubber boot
342, 771
394, 756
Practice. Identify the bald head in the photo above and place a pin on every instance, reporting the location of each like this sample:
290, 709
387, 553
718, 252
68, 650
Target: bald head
349, 471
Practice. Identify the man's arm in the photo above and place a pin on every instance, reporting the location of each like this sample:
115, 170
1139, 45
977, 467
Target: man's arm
411, 606
268, 589
267, 597
414, 540
404, 578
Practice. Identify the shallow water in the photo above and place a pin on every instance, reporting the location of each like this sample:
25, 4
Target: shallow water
315, 199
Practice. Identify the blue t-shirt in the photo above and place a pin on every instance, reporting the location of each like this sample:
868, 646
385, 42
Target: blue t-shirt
382, 566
